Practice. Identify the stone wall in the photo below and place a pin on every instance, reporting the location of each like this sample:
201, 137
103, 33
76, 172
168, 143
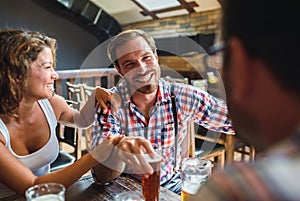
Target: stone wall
185, 25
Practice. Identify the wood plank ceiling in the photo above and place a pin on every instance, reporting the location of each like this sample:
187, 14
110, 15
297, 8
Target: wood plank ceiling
130, 11
189, 6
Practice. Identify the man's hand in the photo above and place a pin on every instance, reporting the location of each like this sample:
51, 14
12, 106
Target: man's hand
104, 150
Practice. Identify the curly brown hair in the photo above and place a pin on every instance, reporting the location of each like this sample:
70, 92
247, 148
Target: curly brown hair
18, 49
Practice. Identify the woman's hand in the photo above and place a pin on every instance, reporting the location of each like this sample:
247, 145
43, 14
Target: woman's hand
104, 95
115, 152
131, 151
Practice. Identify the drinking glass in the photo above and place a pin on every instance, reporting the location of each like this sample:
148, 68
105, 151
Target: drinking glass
194, 173
46, 191
129, 196
151, 183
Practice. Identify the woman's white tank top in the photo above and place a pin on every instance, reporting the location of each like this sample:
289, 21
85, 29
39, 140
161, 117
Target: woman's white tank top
39, 161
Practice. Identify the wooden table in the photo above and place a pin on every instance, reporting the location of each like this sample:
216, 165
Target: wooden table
86, 189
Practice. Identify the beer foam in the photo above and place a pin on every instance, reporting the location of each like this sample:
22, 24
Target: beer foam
49, 197
193, 183
191, 188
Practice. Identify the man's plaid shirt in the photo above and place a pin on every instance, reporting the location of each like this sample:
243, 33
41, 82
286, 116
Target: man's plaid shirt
192, 104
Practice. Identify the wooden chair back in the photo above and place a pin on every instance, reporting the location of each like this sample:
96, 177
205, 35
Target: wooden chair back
75, 92
87, 91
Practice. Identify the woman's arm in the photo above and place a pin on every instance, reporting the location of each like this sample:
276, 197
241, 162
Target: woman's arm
85, 117
129, 151
16, 176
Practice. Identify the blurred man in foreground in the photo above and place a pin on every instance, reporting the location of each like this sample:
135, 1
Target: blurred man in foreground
261, 75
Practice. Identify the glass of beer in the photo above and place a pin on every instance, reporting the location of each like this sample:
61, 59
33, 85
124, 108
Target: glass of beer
194, 173
129, 196
151, 183
46, 191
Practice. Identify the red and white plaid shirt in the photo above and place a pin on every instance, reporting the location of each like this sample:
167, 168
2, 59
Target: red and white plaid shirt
192, 104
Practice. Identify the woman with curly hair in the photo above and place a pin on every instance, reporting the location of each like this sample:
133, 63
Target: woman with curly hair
29, 112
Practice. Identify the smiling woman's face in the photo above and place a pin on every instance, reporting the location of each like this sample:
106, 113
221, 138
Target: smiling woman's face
42, 76
139, 65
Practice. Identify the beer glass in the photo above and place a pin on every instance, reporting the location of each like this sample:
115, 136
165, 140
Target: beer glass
129, 196
46, 191
151, 183
194, 173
